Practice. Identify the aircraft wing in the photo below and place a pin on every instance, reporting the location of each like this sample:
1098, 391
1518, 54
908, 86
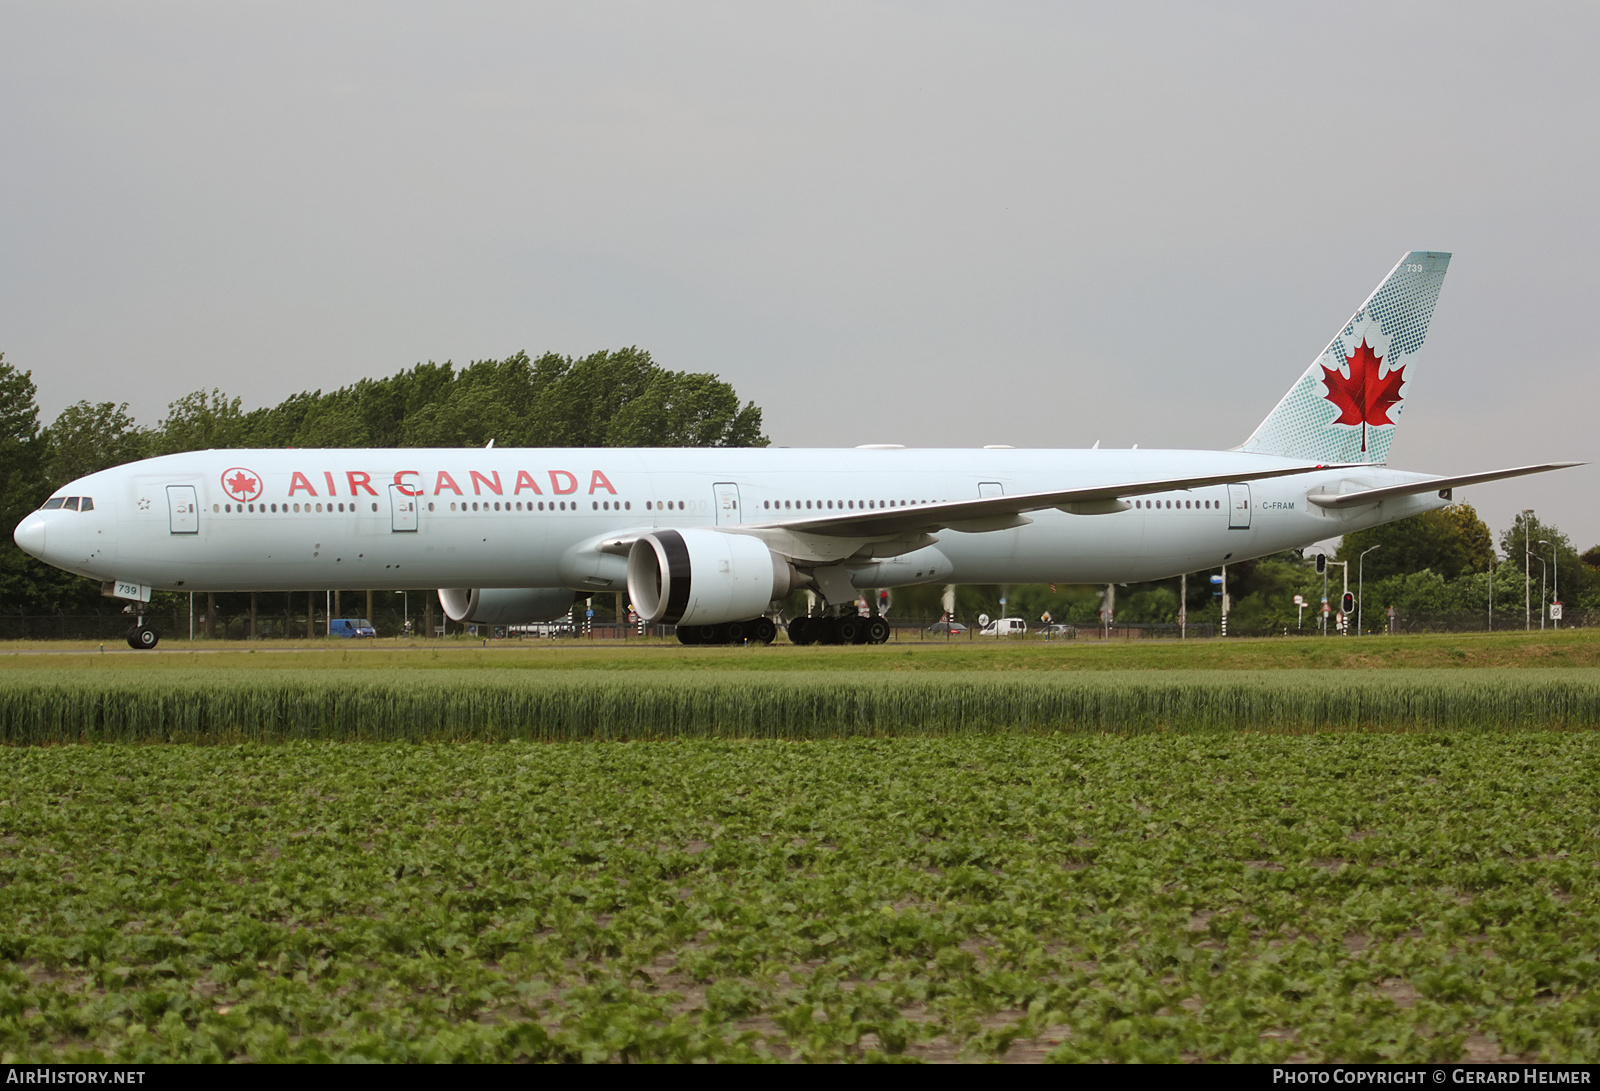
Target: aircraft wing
1438, 484
1001, 512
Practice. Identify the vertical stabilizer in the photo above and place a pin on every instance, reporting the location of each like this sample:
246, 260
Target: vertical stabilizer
1347, 404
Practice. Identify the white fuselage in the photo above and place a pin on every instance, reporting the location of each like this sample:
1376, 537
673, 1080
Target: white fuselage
265, 520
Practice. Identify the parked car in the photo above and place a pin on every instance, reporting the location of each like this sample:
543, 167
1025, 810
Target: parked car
351, 627
1059, 632
946, 628
1004, 626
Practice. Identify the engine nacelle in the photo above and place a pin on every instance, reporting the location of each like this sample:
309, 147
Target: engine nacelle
506, 605
704, 577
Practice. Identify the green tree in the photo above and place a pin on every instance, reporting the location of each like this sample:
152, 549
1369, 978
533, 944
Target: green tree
28, 585
682, 410
20, 481
1452, 542
1576, 581
199, 422
606, 399
87, 437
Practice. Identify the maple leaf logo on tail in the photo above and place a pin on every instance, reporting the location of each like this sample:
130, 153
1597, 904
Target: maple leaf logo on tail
1363, 398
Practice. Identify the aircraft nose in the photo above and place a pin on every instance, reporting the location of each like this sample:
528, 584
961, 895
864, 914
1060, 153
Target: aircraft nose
29, 535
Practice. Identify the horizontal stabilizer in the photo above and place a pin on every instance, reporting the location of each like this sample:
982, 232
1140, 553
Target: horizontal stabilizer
1338, 500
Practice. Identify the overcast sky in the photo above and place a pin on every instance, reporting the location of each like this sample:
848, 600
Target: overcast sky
920, 223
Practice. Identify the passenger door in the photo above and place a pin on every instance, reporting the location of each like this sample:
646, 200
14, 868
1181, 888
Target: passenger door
402, 510
727, 503
1238, 507
183, 509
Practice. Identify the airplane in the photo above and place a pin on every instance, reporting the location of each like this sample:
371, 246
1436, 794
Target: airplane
709, 539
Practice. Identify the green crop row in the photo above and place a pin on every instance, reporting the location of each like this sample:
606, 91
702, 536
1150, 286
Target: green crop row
39, 707
1246, 897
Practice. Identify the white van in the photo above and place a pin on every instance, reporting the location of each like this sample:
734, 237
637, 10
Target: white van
1005, 626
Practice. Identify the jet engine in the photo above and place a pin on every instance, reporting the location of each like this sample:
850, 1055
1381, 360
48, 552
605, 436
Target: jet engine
704, 577
506, 605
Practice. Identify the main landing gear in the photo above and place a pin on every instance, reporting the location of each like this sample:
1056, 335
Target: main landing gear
758, 630
844, 629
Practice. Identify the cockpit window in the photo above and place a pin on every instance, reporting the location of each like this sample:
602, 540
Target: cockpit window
87, 504
54, 502
72, 503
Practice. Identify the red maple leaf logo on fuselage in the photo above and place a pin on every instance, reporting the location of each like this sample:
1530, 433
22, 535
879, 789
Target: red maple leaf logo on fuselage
241, 484
1363, 398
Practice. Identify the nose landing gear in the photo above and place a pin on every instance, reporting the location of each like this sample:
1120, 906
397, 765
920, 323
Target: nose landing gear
141, 638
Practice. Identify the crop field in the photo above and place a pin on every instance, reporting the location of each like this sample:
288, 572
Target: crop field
1373, 849
461, 705
1222, 896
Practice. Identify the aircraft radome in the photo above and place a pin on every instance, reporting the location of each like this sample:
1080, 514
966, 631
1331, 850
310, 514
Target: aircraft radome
707, 539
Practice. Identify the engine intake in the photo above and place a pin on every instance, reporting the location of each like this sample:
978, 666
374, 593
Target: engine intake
506, 605
704, 577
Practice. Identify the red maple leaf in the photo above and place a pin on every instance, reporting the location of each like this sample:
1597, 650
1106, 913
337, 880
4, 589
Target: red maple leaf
241, 485
1363, 398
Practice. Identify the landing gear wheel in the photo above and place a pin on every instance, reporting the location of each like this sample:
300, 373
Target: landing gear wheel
800, 631
848, 630
877, 631
142, 638
762, 630
732, 632
688, 634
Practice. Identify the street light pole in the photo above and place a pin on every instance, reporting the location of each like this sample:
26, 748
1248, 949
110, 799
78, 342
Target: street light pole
1544, 571
1324, 597
1527, 575
405, 612
1555, 581
1361, 574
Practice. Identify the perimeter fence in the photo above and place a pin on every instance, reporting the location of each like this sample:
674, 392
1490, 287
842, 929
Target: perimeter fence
237, 627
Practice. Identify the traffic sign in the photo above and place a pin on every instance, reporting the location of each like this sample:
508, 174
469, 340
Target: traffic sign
1216, 579
1555, 611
